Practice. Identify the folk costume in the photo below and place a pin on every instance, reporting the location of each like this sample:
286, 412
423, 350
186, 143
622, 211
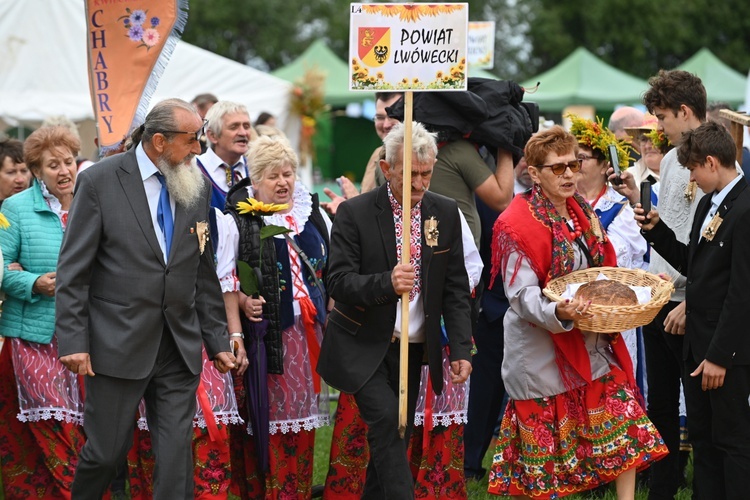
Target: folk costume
296, 309
573, 421
436, 447
41, 401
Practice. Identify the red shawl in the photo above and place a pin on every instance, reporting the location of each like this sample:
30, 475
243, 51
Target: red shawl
532, 227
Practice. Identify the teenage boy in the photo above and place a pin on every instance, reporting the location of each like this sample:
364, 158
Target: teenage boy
716, 348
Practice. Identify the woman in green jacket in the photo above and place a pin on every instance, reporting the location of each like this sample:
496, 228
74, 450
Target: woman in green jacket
41, 407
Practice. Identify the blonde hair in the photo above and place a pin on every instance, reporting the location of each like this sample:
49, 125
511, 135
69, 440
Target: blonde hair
266, 153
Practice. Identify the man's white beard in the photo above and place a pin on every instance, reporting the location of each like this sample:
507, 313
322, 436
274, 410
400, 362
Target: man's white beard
184, 181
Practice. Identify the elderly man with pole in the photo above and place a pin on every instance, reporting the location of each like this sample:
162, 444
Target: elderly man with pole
379, 300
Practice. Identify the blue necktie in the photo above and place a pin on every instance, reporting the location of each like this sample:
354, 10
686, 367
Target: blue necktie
164, 214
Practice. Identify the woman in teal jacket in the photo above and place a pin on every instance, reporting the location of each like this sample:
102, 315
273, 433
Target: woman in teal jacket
41, 408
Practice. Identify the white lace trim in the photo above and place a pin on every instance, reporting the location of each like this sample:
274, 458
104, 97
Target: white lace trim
444, 419
301, 209
224, 418
59, 414
297, 425
610, 199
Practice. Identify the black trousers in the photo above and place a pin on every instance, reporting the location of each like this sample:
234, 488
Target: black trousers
388, 473
664, 371
109, 420
486, 394
719, 422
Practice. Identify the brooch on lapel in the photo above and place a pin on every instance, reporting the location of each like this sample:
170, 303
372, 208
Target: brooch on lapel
690, 191
431, 232
712, 227
203, 234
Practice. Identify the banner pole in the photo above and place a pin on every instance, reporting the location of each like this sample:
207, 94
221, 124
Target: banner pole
405, 258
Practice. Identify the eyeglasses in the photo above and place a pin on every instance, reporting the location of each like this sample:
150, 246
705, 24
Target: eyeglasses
198, 133
559, 168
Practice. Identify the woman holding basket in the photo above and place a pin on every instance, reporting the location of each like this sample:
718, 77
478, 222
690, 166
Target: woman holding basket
573, 421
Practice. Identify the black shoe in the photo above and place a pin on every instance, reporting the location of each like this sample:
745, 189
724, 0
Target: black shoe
317, 490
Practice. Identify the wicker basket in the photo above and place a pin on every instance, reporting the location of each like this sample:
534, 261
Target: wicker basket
609, 318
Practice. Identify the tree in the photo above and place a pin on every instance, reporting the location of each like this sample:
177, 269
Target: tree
639, 36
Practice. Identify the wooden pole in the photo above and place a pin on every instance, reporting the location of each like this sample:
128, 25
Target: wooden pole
736, 127
405, 258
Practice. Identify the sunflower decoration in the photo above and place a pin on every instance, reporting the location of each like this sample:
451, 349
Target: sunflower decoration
595, 135
250, 276
4, 224
254, 207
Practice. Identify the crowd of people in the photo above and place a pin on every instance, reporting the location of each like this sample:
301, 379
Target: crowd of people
178, 315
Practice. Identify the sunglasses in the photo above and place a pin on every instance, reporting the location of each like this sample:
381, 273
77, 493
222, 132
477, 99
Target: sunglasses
198, 133
559, 168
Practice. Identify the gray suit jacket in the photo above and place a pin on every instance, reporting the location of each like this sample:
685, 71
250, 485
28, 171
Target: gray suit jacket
114, 291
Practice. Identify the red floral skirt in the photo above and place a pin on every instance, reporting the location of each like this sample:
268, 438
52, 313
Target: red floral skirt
555, 446
38, 458
436, 456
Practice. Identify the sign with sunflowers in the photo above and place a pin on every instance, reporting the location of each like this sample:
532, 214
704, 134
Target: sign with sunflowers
482, 44
408, 46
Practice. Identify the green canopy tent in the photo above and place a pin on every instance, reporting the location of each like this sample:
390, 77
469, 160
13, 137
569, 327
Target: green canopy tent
722, 82
583, 78
342, 144
320, 57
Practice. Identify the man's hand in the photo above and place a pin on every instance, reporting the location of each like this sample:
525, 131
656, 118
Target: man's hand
348, 188
627, 187
713, 375
460, 371
403, 278
676, 319
79, 363
333, 205
240, 354
253, 308
45, 284
640, 217
225, 361
15, 266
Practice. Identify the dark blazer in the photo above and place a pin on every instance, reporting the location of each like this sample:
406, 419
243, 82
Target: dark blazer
718, 280
114, 291
363, 254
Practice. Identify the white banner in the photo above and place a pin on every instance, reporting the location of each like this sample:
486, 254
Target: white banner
482, 44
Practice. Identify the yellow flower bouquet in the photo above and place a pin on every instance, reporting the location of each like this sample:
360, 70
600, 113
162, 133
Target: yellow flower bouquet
250, 276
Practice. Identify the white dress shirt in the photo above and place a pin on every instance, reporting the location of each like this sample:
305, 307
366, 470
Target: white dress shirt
215, 167
153, 190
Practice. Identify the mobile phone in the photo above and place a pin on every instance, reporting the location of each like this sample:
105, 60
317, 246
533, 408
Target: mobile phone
614, 160
646, 199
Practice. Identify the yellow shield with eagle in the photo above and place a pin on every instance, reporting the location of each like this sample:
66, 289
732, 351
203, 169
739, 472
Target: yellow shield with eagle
374, 46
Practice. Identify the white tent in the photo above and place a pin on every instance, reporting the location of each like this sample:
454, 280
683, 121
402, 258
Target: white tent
43, 70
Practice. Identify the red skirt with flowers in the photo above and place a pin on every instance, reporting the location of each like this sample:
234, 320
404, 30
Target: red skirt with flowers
555, 446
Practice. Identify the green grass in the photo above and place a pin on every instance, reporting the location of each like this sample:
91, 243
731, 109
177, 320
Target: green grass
477, 490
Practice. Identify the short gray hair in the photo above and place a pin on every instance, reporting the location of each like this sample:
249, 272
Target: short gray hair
268, 152
423, 143
215, 115
160, 119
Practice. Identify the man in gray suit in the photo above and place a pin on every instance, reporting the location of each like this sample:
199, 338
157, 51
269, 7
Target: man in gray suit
137, 294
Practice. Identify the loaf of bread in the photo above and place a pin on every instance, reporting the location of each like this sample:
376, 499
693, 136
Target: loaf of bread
607, 292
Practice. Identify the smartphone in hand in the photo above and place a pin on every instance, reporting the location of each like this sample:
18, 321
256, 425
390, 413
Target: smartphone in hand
646, 199
614, 160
